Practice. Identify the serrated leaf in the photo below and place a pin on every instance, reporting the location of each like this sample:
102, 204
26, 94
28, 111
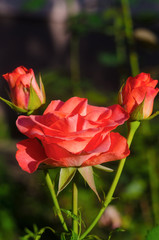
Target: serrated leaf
103, 168
87, 174
66, 175
153, 234
34, 100
13, 106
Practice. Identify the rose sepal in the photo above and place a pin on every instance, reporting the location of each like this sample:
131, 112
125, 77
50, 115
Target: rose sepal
138, 113
87, 174
42, 89
120, 97
152, 116
14, 107
34, 100
66, 175
103, 168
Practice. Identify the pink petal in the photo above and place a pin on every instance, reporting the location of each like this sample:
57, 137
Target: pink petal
30, 154
75, 105
118, 150
119, 115
60, 157
149, 101
53, 106
97, 113
99, 143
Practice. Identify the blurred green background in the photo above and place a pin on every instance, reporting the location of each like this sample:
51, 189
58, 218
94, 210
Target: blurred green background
87, 49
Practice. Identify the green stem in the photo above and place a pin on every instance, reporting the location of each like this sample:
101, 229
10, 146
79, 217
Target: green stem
54, 198
75, 207
133, 57
132, 126
75, 67
153, 176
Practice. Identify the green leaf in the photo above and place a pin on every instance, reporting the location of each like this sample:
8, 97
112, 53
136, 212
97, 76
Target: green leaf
13, 106
34, 100
153, 234
87, 174
115, 230
103, 168
36, 234
66, 175
92, 237
30, 233
69, 214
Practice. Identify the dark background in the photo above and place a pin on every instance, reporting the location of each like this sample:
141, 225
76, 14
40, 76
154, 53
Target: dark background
80, 48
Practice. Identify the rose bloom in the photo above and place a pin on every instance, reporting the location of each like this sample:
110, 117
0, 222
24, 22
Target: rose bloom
19, 82
136, 90
71, 134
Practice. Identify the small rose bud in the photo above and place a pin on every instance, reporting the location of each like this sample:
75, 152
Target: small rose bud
25, 94
137, 96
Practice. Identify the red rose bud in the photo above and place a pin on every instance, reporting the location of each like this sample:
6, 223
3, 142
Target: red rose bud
25, 93
137, 96
71, 134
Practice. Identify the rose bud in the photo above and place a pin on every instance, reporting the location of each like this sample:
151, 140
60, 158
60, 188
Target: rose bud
25, 94
137, 96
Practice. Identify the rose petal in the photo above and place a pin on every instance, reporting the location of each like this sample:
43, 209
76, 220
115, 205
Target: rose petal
53, 106
30, 154
118, 150
75, 105
149, 101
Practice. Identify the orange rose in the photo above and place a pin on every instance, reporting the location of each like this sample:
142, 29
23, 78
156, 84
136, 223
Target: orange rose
71, 134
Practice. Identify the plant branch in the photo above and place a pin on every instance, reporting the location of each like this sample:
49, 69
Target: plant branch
75, 207
54, 198
132, 127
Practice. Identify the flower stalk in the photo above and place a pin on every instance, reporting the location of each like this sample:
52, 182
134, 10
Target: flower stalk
54, 198
75, 207
132, 127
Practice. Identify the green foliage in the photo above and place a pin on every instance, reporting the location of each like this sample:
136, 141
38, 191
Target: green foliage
153, 234
33, 5
109, 59
116, 230
134, 190
36, 234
